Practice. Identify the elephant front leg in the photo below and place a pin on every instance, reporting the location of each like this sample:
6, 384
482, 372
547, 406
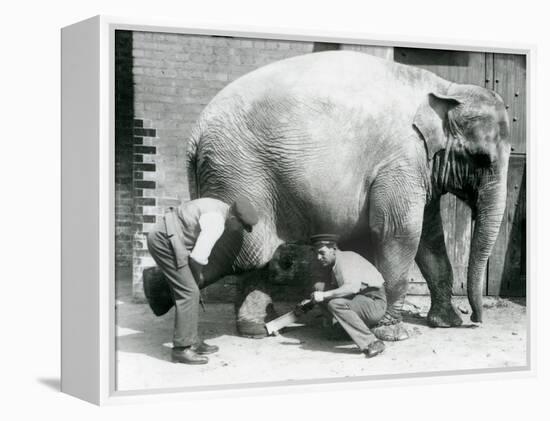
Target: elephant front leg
433, 262
254, 306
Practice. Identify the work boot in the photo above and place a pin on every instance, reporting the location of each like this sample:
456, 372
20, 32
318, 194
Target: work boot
374, 348
203, 348
186, 355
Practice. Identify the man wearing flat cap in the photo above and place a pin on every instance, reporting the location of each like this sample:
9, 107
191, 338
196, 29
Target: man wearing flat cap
181, 243
354, 295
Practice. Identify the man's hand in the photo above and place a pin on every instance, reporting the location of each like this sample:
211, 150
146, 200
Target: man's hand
317, 296
319, 286
196, 270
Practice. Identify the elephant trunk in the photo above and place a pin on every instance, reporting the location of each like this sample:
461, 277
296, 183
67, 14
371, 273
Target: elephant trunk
489, 207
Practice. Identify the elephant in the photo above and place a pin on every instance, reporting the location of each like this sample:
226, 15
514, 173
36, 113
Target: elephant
348, 143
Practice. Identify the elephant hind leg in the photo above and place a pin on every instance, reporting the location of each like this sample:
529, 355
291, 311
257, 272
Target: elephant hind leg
291, 273
254, 306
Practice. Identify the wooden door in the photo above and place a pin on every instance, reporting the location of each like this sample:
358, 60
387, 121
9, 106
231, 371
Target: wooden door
507, 264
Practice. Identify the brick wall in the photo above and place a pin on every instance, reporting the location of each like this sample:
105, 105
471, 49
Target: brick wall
174, 77
165, 80
124, 117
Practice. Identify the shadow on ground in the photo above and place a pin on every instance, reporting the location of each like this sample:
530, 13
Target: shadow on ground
303, 351
53, 383
140, 331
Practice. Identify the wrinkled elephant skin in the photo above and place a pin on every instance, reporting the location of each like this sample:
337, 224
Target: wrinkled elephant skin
347, 143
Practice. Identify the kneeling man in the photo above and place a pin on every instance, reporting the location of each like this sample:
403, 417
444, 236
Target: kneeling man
354, 295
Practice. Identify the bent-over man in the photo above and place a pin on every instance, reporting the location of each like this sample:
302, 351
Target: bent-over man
354, 295
181, 243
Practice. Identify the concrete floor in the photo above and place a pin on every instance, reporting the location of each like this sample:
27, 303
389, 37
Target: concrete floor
302, 352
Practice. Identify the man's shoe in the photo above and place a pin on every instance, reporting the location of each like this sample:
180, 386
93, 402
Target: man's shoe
374, 348
203, 348
187, 356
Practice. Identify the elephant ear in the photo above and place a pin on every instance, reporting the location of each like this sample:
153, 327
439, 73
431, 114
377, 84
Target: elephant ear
431, 119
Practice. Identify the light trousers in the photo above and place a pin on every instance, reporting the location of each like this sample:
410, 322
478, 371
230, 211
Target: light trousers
184, 289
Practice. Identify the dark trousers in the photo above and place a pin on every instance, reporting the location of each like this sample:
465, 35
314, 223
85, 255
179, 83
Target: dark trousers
182, 284
356, 314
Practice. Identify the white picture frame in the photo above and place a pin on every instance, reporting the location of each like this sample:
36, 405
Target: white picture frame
88, 133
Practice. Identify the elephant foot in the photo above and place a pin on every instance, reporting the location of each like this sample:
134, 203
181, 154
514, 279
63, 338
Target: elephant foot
256, 310
476, 318
445, 316
391, 332
251, 329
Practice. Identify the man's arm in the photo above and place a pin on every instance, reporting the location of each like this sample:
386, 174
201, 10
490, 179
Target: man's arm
212, 226
344, 291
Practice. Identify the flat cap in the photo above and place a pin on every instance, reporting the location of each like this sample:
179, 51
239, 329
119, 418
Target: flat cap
324, 239
245, 212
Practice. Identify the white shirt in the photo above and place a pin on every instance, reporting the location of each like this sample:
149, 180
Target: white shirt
352, 269
212, 225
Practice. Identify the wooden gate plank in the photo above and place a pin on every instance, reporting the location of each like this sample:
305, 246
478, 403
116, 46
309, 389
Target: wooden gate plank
507, 262
506, 267
448, 215
461, 246
456, 66
510, 84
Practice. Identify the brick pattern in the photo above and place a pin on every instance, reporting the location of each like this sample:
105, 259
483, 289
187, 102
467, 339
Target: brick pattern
168, 80
124, 100
175, 77
144, 201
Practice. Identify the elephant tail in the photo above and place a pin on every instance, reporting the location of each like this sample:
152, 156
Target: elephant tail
192, 162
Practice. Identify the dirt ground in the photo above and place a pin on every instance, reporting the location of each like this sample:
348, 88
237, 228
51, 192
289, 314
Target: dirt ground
303, 352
